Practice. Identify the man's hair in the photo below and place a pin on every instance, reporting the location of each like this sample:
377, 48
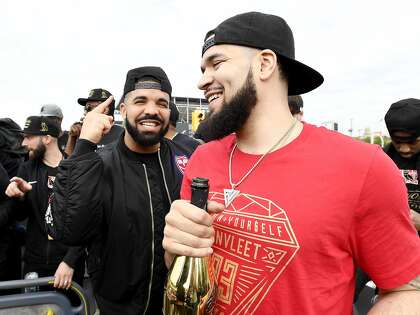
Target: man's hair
295, 104
174, 115
283, 72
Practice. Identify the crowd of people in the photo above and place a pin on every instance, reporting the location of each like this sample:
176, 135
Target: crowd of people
293, 209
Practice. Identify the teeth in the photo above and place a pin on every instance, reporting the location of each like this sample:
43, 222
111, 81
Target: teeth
149, 124
213, 97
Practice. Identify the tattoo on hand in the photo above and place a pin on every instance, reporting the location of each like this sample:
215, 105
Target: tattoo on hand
415, 283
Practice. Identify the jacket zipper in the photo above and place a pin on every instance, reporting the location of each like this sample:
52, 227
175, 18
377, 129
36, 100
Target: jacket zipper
164, 177
153, 241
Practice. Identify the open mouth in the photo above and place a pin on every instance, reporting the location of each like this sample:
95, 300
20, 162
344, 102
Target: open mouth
214, 97
149, 125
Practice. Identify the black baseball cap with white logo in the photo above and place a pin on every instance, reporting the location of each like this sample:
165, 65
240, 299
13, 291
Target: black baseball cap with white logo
265, 31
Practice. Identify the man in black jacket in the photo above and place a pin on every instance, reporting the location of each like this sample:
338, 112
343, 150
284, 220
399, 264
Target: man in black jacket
31, 192
115, 200
403, 123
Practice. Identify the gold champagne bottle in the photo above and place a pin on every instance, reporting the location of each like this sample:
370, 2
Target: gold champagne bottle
190, 287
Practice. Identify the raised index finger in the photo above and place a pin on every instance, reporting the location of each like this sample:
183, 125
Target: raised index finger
101, 108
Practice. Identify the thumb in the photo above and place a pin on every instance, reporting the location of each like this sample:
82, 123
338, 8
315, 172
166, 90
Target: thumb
101, 108
215, 207
21, 183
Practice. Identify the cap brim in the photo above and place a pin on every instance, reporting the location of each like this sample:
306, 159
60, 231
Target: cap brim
32, 133
301, 78
83, 101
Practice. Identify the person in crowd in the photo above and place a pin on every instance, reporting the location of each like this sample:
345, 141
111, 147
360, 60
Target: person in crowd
296, 106
12, 233
31, 192
293, 208
403, 123
96, 96
115, 200
183, 140
55, 112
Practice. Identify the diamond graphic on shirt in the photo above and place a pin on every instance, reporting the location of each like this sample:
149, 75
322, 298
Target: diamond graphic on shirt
254, 244
181, 162
410, 176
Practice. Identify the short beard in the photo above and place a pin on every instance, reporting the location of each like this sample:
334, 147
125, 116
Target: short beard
232, 116
145, 139
39, 152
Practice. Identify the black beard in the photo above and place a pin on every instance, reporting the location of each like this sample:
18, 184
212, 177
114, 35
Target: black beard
146, 139
38, 153
233, 115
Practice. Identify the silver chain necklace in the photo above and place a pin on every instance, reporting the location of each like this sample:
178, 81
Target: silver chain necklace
232, 193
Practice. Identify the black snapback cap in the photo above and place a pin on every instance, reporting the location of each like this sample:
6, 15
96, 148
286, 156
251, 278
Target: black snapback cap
404, 116
266, 31
137, 75
99, 95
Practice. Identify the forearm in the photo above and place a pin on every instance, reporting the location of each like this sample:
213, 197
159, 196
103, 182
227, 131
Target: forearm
74, 255
397, 303
71, 142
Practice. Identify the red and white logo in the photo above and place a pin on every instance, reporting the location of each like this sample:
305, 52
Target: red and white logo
181, 162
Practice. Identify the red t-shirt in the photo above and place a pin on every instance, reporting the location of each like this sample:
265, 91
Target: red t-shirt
305, 217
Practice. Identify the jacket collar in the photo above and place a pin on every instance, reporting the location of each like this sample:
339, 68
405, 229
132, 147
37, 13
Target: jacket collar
135, 156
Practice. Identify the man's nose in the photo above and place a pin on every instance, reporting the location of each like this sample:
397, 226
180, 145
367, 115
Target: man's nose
205, 80
151, 108
404, 148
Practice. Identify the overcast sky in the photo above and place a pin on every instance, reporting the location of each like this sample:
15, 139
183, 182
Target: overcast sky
56, 51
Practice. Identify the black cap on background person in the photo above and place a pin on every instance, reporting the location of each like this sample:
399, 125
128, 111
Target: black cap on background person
404, 116
41, 126
95, 97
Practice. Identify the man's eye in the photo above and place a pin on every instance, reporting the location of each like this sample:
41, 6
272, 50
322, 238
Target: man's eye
217, 64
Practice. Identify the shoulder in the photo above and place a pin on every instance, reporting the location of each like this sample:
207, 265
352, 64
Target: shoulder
176, 149
339, 146
186, 141
213, 150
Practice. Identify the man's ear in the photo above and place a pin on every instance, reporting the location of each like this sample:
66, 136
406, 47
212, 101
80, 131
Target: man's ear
123, 110
267, 60
46, 139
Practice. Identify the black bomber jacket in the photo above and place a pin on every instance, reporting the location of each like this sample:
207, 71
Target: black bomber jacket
102, 200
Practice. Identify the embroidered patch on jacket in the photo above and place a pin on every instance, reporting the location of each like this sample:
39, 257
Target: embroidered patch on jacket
181, 162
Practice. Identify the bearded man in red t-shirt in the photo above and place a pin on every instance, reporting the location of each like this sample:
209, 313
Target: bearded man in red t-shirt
293, 208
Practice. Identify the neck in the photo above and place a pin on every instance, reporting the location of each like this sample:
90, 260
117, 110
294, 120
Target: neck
53, 156
269, 120
135, 147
